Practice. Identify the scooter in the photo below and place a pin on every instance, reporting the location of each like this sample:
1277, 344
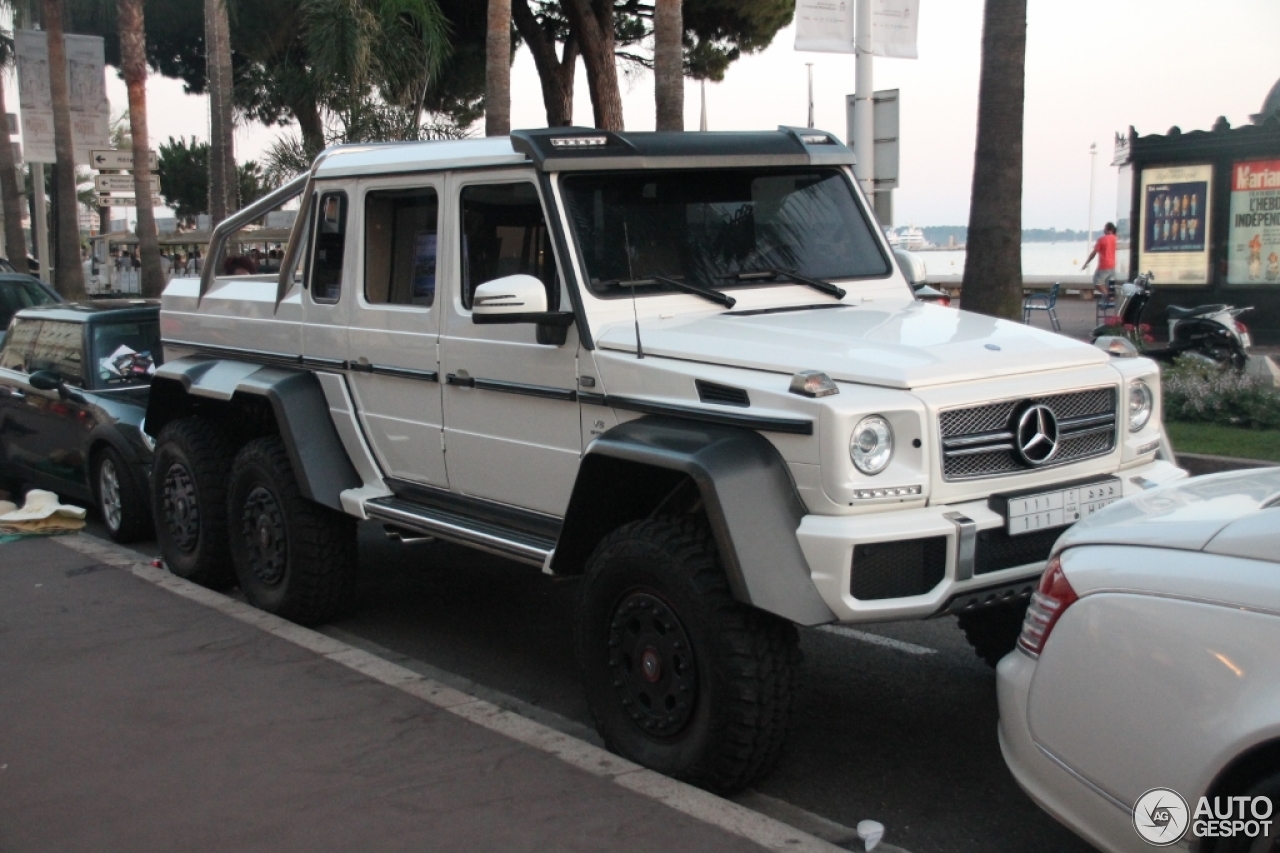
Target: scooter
1210, 331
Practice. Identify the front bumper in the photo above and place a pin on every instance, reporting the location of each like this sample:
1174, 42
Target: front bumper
1073, 801
829, 543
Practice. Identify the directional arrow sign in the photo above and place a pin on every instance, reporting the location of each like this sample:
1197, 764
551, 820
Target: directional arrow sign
111, 158
124, 201
122, 183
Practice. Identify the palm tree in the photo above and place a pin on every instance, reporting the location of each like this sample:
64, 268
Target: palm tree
668, 63
133, 64
993, 253
497, 90
14, 239
222, 153
68, 274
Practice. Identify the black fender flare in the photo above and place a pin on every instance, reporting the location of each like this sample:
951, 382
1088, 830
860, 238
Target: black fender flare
749, 498
296, 400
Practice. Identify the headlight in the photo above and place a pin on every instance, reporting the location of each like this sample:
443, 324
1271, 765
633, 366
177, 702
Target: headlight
871, 445
1141, 404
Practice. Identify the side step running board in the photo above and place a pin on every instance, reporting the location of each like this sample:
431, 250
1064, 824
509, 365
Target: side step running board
505, 542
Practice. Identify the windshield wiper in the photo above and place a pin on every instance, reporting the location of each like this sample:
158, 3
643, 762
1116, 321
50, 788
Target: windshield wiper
767, 273
696, 289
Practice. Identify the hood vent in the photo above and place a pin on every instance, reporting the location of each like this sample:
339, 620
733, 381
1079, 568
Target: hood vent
721, 395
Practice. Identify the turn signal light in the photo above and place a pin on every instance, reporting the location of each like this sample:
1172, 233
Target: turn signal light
1048, 602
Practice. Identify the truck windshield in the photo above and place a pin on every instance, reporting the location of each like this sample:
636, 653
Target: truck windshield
709, 228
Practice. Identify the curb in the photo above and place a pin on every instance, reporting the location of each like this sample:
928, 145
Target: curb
699, 804
1202, 463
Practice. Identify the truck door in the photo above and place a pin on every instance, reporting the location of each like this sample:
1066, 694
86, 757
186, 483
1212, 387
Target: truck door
395, 328
330, 265
512, 431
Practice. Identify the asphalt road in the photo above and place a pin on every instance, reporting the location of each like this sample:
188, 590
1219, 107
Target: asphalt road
903, 732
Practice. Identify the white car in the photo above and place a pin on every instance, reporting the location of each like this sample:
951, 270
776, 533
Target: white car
1142, 705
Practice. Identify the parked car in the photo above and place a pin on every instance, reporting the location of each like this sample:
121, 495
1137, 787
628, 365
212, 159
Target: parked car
19, 291
74, 380
1150, 659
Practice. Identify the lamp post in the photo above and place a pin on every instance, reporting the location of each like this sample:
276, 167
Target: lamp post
1093, 165
809, 65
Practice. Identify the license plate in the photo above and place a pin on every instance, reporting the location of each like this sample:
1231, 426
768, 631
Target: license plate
1058, 508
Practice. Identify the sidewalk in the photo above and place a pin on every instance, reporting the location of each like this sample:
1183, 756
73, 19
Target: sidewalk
142, 713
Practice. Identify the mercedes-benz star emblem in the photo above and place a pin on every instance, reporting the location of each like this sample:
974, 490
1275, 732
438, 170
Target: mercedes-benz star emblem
1037, 435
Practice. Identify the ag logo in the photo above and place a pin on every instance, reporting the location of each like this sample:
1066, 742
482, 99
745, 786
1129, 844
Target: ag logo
1161, 817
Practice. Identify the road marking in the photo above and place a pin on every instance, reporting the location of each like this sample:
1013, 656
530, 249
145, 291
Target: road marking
768, 832
877, 640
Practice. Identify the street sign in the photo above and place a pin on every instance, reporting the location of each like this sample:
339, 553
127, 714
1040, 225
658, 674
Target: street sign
122, 183
113, 158
124, 201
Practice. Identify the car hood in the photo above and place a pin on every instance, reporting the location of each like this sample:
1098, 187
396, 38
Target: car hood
1185, 515
897, 344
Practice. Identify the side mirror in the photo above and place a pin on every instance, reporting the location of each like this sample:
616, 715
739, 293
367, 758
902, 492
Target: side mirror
520, 299
514, 294
912, 267
45, 380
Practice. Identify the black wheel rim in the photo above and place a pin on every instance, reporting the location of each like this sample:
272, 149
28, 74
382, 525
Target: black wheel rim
652, 665
266, 545
181, 510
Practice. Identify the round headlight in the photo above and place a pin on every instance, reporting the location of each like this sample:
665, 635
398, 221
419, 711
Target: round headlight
1141, 404
871, 445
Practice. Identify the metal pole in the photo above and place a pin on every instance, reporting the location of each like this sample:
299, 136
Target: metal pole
809, 65
41, 225
863, 121
702, 125
1093, 165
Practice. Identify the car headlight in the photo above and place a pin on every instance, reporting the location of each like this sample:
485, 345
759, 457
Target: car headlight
1141, 404
871, 445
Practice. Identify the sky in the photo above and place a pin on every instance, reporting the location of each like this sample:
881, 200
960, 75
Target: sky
1093, 68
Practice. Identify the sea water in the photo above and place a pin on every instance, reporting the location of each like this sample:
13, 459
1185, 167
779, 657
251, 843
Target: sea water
1037, 259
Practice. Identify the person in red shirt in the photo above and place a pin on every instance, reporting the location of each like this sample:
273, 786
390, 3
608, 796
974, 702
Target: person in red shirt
1105, 251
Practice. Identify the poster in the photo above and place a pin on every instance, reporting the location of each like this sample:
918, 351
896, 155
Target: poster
830, 26
1175, 224
90, 110
1253, 250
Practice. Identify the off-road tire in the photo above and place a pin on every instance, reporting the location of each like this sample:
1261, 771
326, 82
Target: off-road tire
131, 518
189, 500
293, 558
742, 671
993, 631
1269, 788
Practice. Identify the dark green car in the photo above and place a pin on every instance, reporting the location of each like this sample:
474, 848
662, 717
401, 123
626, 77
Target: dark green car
74, 380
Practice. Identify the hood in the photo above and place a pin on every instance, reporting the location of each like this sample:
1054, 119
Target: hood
894, 344
1185, 515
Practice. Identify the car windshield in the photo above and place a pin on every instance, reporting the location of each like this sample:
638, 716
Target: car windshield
125, 354
709, 228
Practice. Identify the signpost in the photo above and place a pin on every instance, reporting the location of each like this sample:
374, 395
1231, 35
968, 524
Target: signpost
123, 201
122, 183
112, 158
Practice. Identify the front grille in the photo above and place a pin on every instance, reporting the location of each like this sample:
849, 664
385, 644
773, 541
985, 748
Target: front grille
898, 569
979, 441
996, 549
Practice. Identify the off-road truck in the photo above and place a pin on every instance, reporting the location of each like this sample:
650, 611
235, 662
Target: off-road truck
684, 367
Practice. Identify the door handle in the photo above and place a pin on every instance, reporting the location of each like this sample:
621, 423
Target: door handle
16, 394
460, 381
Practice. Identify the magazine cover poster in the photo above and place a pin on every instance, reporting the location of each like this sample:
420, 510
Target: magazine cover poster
1175, 224
1253, 249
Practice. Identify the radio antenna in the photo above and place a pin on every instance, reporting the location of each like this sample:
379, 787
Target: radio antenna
631, 280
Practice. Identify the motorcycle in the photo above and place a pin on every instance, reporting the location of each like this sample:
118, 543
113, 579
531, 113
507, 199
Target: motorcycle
1209, 331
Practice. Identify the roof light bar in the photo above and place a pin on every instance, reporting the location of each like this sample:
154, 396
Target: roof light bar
815, 139
579, 141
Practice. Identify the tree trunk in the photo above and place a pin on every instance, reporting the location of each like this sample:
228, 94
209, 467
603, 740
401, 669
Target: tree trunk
592, 21
69, 275
223, 184
133, 64
668, 63
497, 70
993, 252
554, 73
15, 241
